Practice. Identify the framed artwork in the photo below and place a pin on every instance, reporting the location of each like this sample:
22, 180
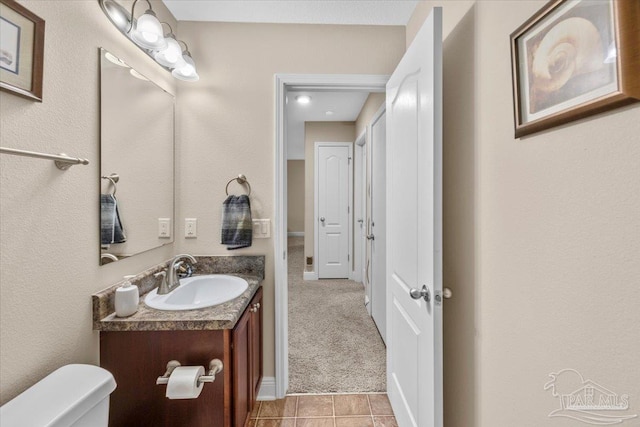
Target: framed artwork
21, 50
573, 59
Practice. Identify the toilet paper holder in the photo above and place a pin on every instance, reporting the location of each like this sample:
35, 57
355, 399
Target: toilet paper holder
215, 366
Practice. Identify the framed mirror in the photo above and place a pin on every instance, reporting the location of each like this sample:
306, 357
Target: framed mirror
136, 161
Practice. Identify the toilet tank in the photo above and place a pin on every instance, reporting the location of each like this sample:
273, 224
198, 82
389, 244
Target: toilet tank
74, 395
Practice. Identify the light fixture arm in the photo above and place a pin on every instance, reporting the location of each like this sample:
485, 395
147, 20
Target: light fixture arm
133, 7
186, 47
170, 28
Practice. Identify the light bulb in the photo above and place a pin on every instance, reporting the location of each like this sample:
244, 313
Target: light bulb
171, 56
186, 72
148, 32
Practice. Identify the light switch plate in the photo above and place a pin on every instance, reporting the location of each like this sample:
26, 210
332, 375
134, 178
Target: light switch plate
190, 228
164, 228
261, 228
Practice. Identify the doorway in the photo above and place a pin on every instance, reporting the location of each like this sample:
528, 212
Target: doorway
284, 84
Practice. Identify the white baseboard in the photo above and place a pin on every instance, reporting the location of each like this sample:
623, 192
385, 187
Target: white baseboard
295, 234
310, 275
267, 389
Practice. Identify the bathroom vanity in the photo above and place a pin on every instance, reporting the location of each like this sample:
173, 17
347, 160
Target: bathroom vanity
136, 350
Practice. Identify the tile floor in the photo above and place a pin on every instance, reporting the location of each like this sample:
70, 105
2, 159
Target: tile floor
336, 410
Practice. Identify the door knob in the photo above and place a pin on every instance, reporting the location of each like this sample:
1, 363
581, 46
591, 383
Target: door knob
421, 293
321, 219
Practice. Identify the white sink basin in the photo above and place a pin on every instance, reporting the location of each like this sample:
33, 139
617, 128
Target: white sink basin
198, 292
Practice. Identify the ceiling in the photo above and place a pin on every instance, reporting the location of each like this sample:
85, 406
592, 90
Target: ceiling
346, 107
348, 12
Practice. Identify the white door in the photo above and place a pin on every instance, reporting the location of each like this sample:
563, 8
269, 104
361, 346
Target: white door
414, 230
378, 220
333, 211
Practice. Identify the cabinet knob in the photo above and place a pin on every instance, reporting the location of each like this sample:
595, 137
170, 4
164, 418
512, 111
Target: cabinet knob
254, 307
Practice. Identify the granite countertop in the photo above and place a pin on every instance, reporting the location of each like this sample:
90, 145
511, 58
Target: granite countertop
223, 316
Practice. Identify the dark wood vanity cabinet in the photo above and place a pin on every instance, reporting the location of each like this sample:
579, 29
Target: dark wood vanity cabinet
247, 358
137, 358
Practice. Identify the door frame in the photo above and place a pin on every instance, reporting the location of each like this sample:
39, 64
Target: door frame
284, 82
316, 213
359, 205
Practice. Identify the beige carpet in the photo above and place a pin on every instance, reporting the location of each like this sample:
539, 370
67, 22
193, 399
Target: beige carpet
334, 346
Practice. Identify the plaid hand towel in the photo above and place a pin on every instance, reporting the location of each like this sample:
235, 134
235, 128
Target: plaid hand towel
111, 230
237, 227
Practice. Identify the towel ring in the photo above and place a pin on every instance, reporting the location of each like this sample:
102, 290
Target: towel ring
113, 178
241, 180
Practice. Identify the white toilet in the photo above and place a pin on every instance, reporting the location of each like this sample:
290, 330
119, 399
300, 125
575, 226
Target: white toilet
74, 395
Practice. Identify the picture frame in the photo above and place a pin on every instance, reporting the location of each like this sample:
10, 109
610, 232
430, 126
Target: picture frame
21, 50
573, 59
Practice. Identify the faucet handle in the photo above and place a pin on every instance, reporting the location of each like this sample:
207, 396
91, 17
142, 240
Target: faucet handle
177, 265
161, 273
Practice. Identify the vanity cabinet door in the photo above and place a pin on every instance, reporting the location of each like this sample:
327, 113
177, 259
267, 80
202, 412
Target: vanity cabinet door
255, 347
247, 360
241, 369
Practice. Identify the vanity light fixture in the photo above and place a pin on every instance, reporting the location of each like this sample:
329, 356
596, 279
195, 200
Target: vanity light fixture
303, 99
146, 32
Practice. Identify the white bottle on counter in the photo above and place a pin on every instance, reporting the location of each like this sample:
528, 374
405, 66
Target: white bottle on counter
127, 298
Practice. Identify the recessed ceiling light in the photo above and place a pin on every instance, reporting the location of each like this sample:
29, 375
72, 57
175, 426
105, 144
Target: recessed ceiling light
329, 113
303, 99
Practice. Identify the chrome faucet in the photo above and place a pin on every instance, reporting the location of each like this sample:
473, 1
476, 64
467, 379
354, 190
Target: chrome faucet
170, 280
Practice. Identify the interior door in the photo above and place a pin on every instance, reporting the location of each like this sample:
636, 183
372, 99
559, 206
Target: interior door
414, 230
333, 208
378, 219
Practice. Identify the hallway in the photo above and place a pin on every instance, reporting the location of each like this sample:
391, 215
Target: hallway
334, 346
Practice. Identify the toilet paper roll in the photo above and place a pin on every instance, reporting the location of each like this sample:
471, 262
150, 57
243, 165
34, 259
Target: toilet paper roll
183, 382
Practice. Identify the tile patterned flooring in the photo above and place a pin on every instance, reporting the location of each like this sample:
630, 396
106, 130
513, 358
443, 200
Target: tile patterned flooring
334, 410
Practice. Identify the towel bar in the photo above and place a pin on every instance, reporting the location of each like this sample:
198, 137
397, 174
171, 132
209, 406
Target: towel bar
62, 161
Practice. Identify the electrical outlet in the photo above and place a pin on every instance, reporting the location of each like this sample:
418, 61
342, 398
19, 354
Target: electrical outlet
190, 228
164, 228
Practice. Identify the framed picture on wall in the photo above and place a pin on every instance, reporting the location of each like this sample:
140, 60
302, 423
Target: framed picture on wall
573, 59
21, 50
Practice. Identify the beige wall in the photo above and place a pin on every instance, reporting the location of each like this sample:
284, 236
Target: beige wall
295, 195
371, 106
49, 218
541, 236
318, 132
226, 120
